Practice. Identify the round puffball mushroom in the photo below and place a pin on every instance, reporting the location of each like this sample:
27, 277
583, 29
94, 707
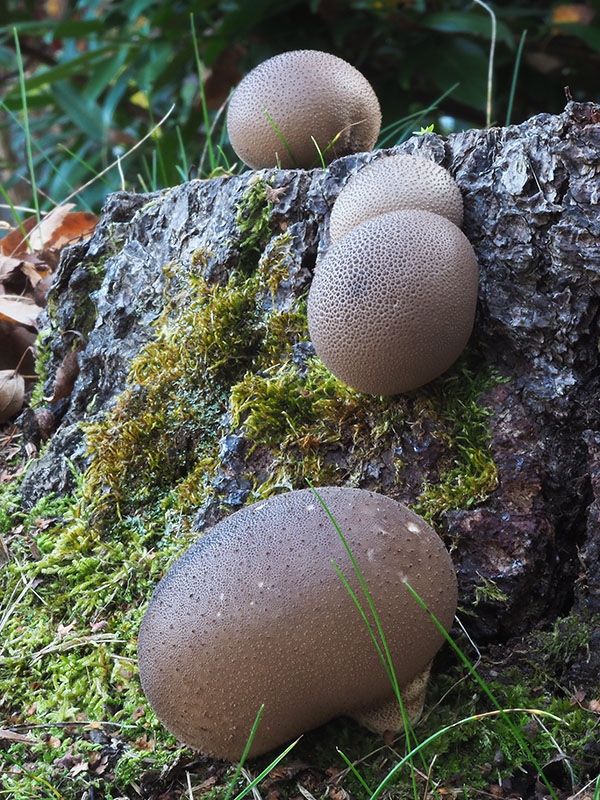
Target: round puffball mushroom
392, 184
294, 96
255, 613
392, 304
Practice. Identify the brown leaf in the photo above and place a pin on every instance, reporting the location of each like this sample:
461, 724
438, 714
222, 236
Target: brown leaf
57, 229
14, 244
74, 227
143, 744
12, 392
83, 766
8, 266
19, 309
594, 705
11, 736
34, 274
66, 375
42, 234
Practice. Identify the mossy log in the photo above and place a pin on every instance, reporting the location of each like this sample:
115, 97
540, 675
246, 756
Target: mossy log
503, 453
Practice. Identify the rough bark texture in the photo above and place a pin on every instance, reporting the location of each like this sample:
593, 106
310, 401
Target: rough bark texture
531, 195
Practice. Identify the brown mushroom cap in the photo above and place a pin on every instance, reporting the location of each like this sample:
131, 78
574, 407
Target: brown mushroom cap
392, 303
255, 612
392, 184
306, 93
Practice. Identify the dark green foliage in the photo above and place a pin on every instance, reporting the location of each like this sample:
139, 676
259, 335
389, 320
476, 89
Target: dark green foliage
98, 77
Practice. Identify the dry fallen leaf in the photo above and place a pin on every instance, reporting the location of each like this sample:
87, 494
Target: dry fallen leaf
12, 392
19, 309
594, 705
57, 229
66, 375
143, 743
83, 766
8, 266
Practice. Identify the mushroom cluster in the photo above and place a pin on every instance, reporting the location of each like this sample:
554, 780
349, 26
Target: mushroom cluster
392, 303
298, 104
255, 613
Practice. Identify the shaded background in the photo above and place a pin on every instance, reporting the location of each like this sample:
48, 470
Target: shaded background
98, 75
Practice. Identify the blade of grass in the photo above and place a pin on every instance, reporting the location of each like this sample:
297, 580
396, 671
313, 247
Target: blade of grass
14, 211
34, 777
513, 85
316, 144
213, 129
36, 203
515, 732
502, 712
87, 165
355, 772
182, 153
488, 108
211, 153
39, 149
282, 137
266, 770
245, 753
387, 661
393, 128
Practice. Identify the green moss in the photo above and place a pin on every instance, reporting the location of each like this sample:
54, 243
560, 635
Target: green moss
43, 353
488, 591
453, 401
253, 220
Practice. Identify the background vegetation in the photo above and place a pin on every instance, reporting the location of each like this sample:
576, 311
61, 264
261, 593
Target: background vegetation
97, 75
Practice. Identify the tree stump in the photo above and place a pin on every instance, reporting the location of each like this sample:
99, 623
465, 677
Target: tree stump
527, 552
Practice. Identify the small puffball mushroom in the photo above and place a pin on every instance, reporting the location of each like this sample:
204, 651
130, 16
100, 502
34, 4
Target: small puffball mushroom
255, 612
305, 93
392, 184
392, 304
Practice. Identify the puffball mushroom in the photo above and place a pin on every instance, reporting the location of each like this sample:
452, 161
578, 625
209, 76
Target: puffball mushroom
304, 93
392, 304
392, 184
255, 612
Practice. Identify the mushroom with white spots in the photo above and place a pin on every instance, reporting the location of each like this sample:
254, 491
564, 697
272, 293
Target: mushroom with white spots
255, 613
286, 101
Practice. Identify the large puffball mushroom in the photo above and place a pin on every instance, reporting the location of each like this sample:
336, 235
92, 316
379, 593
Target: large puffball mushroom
392, 304
394, 183
255, 612
297, 95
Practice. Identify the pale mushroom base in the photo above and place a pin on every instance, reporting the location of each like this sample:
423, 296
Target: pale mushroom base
388, 716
